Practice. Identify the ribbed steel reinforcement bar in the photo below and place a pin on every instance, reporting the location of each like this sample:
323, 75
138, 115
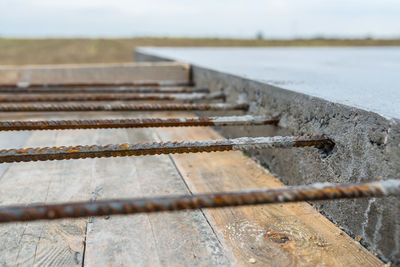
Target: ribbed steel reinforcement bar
108, 89
214, 200
117, 107
105, 97
123, 150
135, 123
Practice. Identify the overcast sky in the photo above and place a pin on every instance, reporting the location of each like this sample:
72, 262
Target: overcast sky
201, 18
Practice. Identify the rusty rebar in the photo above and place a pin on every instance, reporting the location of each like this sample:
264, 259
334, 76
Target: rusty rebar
136, 123
106, 97
123, 150
312, 192
117, 107
108, 89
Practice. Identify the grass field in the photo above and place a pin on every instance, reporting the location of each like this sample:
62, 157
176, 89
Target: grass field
59, 51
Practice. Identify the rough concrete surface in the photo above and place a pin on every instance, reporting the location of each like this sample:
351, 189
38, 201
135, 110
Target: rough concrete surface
367, 147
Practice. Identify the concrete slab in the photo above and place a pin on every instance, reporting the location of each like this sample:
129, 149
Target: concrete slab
363, 77
348, 94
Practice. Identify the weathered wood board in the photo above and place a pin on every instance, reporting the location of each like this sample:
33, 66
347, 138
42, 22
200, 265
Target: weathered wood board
164, 239
137, 73
267, 235
58, 243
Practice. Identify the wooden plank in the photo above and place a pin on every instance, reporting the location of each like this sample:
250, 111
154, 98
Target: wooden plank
16, 141
139, 73
179, 239
7, 232
267, 235
58, 243
8, 76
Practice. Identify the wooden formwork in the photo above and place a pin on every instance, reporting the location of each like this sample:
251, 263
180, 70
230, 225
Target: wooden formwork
266, 235
92, 74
